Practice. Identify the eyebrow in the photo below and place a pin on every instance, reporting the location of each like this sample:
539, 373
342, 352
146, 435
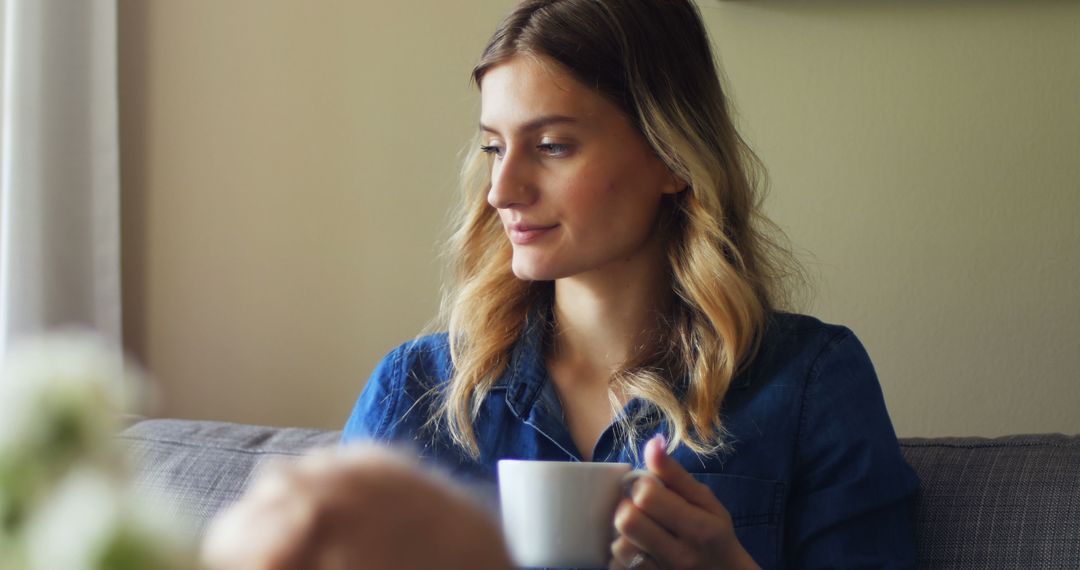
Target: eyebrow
536, 123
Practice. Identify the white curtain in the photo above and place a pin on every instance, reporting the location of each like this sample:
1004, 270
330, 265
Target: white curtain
59, 168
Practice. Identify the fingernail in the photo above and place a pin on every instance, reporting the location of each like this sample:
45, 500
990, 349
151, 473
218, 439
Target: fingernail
662, 439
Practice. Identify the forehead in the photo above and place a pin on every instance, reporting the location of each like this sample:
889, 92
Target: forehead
524, 87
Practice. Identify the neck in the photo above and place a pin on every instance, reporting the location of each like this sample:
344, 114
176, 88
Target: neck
605, 319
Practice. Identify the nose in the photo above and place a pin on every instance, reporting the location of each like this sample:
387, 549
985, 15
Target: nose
512, 182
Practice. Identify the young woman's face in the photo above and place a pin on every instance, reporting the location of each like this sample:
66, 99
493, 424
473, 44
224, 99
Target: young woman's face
576, 186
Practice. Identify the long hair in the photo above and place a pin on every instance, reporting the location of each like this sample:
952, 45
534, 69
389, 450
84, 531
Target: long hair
653, 60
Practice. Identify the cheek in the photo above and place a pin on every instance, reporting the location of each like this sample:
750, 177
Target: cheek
632, 201
592, 204
608, 202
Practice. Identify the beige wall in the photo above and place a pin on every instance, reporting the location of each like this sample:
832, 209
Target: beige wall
287, 167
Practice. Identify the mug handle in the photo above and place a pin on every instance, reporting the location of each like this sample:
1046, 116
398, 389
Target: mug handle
629, 478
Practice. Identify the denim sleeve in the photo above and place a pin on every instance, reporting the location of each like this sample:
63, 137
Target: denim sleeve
852, 493
378, 401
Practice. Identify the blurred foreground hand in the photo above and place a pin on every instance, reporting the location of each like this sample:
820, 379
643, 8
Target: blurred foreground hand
353, 508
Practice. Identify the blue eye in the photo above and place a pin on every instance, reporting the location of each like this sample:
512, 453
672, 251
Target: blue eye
491, 150
553, 149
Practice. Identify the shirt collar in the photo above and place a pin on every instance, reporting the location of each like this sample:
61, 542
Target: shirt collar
526, 375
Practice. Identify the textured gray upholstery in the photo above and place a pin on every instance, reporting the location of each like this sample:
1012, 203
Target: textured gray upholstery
203, 466
1008, 502
1011, 502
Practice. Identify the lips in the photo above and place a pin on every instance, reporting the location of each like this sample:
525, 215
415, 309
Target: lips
521, 233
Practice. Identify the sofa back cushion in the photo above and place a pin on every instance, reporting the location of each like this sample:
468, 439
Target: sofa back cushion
1009, 502
200, 467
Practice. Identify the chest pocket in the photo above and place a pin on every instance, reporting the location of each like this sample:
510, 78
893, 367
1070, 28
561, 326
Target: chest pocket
756, 507
750, 501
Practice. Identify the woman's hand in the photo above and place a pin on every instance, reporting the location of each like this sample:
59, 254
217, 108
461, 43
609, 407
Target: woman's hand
363, 507
678, 525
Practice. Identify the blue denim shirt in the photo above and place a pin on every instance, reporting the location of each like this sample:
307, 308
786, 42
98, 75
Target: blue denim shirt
813, 476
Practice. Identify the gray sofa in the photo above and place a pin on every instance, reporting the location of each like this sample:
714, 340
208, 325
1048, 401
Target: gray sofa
1009, 502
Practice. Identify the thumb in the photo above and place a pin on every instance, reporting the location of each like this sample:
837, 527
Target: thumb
674, 476
656, 453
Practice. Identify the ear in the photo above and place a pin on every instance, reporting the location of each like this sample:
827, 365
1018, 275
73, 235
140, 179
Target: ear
675, 183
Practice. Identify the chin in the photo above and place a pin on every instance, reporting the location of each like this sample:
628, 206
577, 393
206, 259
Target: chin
530, 274
531, 271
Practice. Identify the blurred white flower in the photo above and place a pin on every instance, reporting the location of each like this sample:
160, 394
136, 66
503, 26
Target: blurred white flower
90, 522
57, 370
79, 515
64, 392
64, 503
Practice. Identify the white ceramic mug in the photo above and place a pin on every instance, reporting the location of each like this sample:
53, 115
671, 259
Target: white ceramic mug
559, 513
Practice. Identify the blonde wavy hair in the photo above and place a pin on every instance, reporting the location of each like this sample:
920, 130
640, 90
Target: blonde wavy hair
653, 60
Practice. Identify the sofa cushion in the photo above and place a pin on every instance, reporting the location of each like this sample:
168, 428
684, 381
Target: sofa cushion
201, 466
1007, 502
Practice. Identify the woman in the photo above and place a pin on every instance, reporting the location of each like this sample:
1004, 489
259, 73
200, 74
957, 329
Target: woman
614, 280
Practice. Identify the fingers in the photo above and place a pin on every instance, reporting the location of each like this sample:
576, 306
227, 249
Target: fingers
267, 529
648, 536
624, 556
672, 512
678, 479
286, 506
355, 508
